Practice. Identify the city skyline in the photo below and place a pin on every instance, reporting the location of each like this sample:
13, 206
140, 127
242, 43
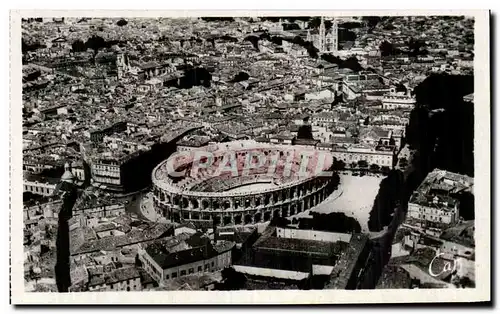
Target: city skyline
255, 153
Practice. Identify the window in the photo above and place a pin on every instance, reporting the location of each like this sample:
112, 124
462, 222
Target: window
128, 288
174, 275
199, 269
167, 277
183, 273
207, 266
191, 270
213, 264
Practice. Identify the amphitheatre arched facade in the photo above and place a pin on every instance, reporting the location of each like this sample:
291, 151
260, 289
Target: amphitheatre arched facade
251, 196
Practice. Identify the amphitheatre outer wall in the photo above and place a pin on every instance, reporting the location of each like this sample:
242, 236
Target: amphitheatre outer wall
181, 200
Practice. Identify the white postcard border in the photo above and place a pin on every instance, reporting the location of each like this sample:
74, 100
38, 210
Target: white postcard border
482, 191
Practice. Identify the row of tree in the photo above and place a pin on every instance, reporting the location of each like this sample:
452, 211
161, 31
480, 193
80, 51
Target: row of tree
349, 63
94, 43
413, 48
361, 164
443, 139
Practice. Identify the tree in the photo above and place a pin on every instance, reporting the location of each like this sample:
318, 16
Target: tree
415, 47
401, 88
363, 164
241, 76
403, 162
371, 21
338, 165
122, 22
385, 169
254, 40
231, 280
374, 167
95, 43
290, 26
352, 63
305, 132
78, 46
466, 282
314, 23
387, 49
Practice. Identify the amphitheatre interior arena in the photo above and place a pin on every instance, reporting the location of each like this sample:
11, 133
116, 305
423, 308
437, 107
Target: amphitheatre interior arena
242, 182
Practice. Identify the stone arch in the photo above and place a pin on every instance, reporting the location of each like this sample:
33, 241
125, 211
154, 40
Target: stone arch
176, 200
176, 217
195, 203
217, 220
284, 212
267, 216
275, 197
247, 202
257, 202
226, 204
276, 213
215, 204
166, 212
257, 217
184, 202
237, 219
282, 195
204, 204
293, 207
226, 220
267, 200
248, 219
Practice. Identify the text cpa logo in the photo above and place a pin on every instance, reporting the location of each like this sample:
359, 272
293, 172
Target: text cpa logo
449, 266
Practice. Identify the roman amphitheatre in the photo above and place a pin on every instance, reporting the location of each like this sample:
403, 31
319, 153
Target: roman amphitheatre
282, 185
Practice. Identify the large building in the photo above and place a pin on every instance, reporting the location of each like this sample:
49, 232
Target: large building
279, 187
398, 100
184, 255
383, 157
299, 250
325, 41
433, 204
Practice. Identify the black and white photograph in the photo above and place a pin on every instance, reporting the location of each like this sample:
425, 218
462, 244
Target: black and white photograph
321, 154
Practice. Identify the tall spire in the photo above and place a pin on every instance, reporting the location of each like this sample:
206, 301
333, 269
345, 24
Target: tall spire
322, 35
335, 33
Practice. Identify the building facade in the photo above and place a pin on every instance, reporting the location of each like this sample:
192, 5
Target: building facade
382, 158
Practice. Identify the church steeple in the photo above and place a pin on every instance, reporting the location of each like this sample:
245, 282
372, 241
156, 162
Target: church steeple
322, 35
